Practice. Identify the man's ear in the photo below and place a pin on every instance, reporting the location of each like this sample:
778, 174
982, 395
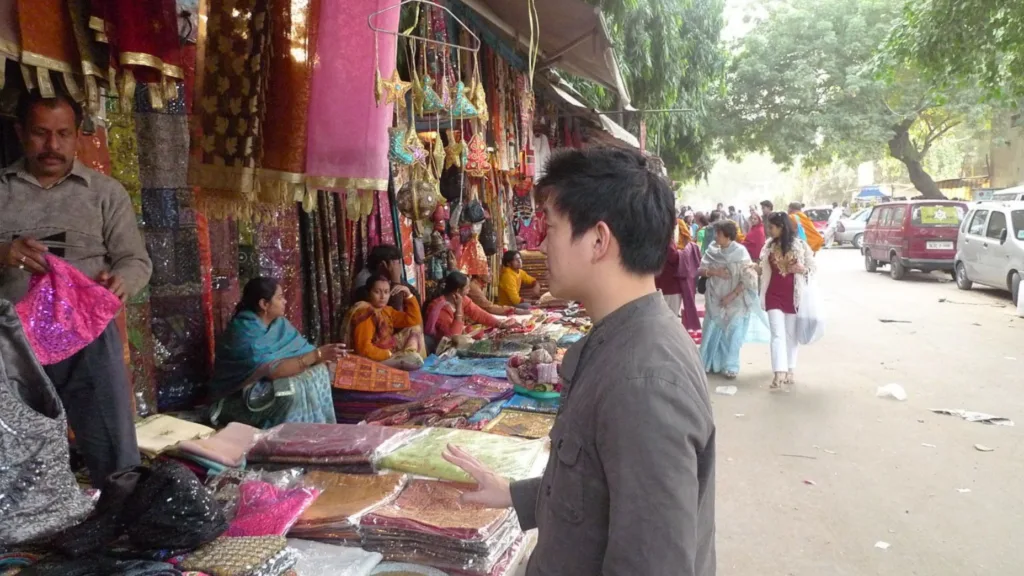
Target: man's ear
600, 242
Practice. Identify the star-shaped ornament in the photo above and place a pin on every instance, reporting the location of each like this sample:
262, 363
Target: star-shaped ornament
454, 152
395, 90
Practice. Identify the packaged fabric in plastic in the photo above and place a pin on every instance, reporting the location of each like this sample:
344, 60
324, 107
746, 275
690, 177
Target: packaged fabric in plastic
301, 443
429, 525
344, 499
403, 569
241, 556
226, 486
521, 424
511, 458
227, 447
320, 558
266, 510
528, 404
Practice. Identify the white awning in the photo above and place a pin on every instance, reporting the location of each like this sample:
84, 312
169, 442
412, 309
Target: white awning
572, 37
563, 91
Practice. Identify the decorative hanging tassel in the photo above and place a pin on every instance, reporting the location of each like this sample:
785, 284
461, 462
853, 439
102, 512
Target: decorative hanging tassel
45, 83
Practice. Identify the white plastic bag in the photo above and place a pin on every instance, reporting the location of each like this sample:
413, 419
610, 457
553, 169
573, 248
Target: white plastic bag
810, 318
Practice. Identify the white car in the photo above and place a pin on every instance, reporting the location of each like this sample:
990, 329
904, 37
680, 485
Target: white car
990, 247
851, 230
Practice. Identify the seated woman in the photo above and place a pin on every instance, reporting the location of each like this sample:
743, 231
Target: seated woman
513, 279
447, 313
370, 327
265, 373
478, 294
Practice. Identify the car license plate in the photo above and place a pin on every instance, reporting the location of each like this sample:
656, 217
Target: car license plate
940, 245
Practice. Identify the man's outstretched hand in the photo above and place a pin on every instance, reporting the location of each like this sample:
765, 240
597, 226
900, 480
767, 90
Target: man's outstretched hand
492, 491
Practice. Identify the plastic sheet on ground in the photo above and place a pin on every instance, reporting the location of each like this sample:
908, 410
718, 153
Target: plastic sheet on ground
320, 558
975, 416
511, 458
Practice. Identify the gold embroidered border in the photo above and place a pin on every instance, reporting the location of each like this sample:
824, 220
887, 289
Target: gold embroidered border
142, 59
346, 183
10, 49
40, 61
96, 23
90, 69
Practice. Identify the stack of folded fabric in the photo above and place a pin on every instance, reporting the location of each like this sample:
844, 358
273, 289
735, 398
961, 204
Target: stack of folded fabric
440, 411
521, 424
524, 403
351, 407
337, 447
455, 366
316, 558
160, 433
429, 525
508, 457
225, 449
344, 499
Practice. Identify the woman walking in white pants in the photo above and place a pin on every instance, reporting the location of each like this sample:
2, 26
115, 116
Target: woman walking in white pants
786, 263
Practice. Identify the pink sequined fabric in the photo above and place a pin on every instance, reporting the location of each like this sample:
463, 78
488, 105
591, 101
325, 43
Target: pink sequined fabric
64, 311
266, 510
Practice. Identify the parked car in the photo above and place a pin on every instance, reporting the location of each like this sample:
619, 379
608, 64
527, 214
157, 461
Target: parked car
990, 248
913, 235
1015, 194
851, 230
819, 216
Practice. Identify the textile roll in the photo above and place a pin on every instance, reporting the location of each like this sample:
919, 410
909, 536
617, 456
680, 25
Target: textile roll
348, 143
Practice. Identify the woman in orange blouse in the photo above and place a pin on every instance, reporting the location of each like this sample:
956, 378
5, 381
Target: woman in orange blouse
370, 327
447, 314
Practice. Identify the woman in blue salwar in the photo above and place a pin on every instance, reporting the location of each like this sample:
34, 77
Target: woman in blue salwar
265, 373
732, 310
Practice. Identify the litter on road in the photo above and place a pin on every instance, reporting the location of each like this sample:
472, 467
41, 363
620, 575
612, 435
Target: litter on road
927, 445
882, 545
975, 416
963, 490
726, 390
894, 391
983, 448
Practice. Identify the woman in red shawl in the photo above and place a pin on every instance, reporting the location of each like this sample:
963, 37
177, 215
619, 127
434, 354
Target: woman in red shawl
678, 279
755, 239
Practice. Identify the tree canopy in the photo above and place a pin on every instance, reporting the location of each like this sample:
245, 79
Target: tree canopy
802, 85
670, 57
963, 42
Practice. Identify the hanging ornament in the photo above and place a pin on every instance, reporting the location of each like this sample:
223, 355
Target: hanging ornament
395, 90
397, 151
415, 147
437, 155
419, 97
462, 108
476, 95
432, 103
378, 83
477, 165
455, 152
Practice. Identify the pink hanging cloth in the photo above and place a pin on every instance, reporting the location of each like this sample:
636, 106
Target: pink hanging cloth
64, 311
347, 140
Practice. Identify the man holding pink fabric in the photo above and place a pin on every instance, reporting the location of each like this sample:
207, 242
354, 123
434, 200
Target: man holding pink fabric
51, 203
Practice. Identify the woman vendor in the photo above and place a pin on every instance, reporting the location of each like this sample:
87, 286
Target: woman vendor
477, 293
265, 373
513, 279
447, 313
370, 327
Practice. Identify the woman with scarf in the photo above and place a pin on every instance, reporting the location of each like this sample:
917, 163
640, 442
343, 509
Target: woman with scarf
678, 279
265, 373
447, 314
755, 237
730, 302
370, 327
786, 263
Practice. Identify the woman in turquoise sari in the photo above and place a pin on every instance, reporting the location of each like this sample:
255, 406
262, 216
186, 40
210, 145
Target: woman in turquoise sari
265, 373
732, 308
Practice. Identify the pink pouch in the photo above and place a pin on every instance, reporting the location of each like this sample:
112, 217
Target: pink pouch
64, 311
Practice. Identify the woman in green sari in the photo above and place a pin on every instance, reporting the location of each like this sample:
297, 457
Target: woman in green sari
265, 373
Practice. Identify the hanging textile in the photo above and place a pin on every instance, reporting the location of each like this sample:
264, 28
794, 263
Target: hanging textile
10, 36
224, 256
93, 55
293, 41
276, 244
47, 41
313, 328
348, 132
148, 51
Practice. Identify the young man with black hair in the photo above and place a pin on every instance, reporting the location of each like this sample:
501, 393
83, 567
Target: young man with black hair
386, 260
766, 209
51, 203
629, 487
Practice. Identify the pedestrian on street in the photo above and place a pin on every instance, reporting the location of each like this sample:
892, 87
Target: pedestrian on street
51, 203
766, 209
786, 263
833, 225
629, 486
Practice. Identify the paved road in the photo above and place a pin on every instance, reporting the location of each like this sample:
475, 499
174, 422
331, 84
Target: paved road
874, 478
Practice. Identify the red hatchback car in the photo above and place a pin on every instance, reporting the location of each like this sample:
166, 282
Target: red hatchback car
912, 235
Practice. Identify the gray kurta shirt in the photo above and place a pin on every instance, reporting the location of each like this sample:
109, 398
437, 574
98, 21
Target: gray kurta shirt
86, 210
629, 488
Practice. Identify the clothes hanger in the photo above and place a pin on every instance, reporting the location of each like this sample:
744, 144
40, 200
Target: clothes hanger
473, 49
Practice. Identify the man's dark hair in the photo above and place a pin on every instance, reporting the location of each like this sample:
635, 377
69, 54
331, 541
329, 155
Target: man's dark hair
795, 206
716, 215
508, 257
785, 224
381, 255
767, 204
31, 98
614, 186
726, 228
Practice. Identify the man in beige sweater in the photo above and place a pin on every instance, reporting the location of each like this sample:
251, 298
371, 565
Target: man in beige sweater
51, 203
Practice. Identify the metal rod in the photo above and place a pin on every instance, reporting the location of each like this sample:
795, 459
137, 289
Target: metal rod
369, 22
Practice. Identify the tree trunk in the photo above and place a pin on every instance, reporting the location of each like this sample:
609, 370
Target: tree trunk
902, 149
